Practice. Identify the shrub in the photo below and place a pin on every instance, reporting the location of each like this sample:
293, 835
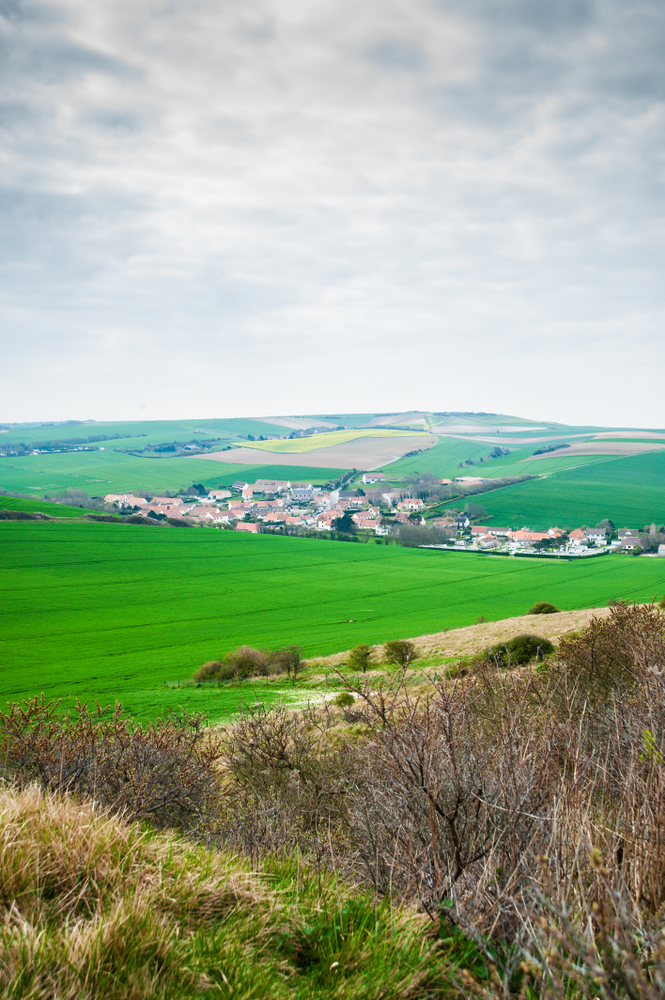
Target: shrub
400, 651
165, 771
344, 700
518, 650
543, 608
360, 657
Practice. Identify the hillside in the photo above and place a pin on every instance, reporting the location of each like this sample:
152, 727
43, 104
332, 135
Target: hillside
114, 611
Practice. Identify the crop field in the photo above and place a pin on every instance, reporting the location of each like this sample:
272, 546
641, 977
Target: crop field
98, 472
32, 506
109, 471
630, 491
329, 440
109, 611
142, 431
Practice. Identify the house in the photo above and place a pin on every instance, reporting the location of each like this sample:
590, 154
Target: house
500, 532
374, 477
247, 526
525, 537
596, 535
302, 486
272, 485
479, 529
170, 501
326, 520
401, 517
629, 543
219, 494
661, 550
205, 512
371, 524
461, 522
305, 493
239, 486
411, 503
627, 533
577, 537
247, 492
488, 542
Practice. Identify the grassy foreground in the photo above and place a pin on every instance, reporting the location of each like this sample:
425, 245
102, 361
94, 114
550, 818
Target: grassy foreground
111, 611
106, 909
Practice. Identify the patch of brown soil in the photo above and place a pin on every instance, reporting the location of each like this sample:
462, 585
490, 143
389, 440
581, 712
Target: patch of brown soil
363, 453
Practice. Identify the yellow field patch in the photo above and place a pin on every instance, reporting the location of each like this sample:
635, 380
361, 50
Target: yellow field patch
327, 440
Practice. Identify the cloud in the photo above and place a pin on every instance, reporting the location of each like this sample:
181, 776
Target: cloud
389, 204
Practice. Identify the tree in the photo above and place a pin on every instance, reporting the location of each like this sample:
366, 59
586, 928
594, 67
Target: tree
345, 522
360, 657
400, 651
475, 510
290, 660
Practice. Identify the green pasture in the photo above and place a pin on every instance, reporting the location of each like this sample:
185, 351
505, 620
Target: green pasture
42, 506
630, 491
442, 460
105, 611
136, 433
109, 471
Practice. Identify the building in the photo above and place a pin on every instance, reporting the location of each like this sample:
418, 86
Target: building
272, 485
596, 535
219, 494
411, 503
239, 486
374, 477
461, 522
247, 526
661, 550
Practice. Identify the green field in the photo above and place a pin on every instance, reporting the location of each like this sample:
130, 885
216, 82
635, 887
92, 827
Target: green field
101, 472
113, 611
630, 491
41, 506
329, 439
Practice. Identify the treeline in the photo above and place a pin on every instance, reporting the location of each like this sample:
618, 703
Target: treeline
17, 448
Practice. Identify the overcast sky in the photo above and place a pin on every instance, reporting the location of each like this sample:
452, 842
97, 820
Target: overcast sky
242, 207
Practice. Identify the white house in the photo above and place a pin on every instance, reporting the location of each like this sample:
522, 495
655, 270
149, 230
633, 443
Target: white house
374, 477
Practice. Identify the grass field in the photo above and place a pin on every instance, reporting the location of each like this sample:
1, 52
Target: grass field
101, 472
328, 440
113, 611
140, 432
32, 506
630, 491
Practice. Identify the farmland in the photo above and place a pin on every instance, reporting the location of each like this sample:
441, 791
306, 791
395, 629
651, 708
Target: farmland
329, 440
113, 611
630, 491
31, 506
109, 471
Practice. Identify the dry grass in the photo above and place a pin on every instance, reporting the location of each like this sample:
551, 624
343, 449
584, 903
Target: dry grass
93, 907
475, 638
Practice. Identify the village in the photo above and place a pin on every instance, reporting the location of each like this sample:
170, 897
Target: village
274, 505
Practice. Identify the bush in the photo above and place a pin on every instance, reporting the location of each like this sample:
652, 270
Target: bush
543, 608
344, 700
400, 651
165, 772
360, 657
518, 650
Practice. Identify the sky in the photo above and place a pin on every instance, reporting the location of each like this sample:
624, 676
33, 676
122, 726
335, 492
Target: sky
213, 208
